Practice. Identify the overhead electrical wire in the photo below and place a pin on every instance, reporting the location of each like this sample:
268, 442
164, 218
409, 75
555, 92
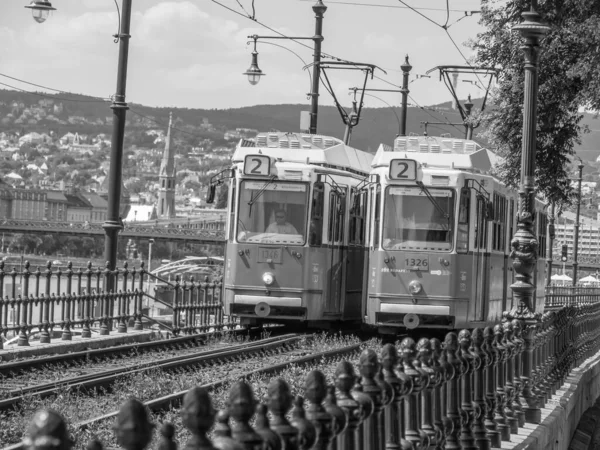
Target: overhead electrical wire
53, 96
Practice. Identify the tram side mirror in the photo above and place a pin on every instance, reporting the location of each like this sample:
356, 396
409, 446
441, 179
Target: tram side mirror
211, 193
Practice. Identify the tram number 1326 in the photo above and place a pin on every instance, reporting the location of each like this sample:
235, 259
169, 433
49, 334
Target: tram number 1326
417, 263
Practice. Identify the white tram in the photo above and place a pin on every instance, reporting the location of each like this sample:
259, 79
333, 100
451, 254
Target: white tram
439, 237
295, 239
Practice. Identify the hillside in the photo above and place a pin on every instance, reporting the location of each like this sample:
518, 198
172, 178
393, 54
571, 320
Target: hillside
377, 125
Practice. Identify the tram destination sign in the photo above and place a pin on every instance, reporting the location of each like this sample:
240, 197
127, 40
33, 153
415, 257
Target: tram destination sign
403, 169
257, 165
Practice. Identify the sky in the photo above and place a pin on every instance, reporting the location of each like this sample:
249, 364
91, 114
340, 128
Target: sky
192, 53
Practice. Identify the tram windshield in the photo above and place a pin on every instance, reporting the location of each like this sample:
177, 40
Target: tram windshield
415, 221
272, 212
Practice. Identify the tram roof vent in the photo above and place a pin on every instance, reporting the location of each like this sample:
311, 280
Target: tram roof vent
306, 146
435, 148
273, 140
446, 146
329, 142
284, 143
469, 147
294, 144
413, 144
457, 145
400, 144
261, 140
317, 140
424, 148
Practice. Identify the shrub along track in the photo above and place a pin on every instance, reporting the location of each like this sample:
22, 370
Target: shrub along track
105, 378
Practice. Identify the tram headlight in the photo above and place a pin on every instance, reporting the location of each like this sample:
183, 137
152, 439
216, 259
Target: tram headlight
268, 278
415, 287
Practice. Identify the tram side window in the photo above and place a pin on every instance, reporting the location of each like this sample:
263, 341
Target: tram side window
232, 210
498, 226
336, 217
480, 223
316, 220
377, 215
542, 221
357, 218
464, 212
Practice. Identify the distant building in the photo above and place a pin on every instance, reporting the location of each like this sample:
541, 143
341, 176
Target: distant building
56, 206
78, 208
99, 206
166, 178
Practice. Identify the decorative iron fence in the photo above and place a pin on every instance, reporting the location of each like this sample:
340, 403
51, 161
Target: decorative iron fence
559, 296
71, 299
472, 391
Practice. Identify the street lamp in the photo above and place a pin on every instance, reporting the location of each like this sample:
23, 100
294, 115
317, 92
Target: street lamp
254, 73
524, 243
576, 226
113, 223
40, 10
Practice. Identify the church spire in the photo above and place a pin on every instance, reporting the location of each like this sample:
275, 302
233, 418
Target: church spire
167, 166
166, 196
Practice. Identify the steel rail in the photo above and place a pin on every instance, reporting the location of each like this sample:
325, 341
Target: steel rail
107, 377
11, 368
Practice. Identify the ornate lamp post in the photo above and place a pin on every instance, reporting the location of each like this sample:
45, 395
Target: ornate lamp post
576, 226
524, 243
406, 68
254, 73
113, 223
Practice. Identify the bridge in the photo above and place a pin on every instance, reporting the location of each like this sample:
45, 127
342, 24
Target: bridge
184, 231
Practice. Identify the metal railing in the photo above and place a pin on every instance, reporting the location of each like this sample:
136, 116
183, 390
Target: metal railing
559, 296
129, 230
69, 299
474, 390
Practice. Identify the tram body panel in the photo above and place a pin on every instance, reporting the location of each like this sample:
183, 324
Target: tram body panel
297, 289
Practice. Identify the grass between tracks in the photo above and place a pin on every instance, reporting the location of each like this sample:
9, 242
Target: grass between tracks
76, 406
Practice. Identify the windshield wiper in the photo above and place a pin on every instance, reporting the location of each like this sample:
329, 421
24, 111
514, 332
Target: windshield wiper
435, 203
259, 193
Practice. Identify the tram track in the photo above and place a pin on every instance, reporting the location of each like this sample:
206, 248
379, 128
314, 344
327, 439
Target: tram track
105, 378
182, 343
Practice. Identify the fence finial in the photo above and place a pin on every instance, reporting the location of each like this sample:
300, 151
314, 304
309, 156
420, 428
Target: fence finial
132, 427
198, 416
47, 431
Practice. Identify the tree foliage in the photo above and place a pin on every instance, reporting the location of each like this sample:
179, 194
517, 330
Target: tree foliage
568, 80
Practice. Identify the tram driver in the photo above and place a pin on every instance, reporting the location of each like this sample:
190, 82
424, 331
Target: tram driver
281, 225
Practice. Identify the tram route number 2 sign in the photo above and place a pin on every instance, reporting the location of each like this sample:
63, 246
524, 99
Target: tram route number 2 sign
403, 169
257, 165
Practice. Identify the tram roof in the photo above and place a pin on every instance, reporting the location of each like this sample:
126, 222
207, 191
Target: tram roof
314, 149
438, 151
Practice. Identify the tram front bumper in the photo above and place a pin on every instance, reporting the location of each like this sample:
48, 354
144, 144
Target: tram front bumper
267, 306
383, 313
